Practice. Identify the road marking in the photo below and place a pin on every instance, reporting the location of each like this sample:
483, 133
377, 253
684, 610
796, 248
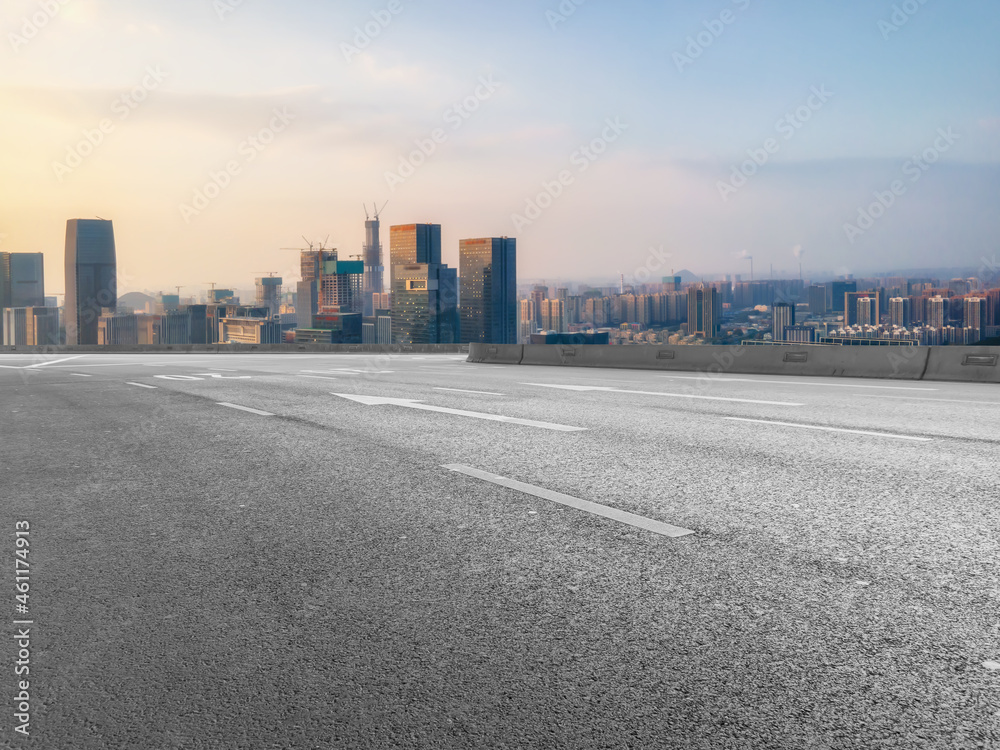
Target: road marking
659, 393
246, 408
53, 362
938, 400
140, 385
218, 376
319, 377
459, 390
81, 375
640, 522
715, 379
413, 404
220, 369
831, 429
350, 372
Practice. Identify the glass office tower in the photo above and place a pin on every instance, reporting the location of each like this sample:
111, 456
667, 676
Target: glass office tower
91, 271
488, 290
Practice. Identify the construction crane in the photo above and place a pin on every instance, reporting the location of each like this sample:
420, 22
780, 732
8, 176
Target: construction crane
378, 211
270, 274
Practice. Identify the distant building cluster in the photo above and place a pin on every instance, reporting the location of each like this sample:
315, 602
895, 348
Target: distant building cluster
336, 300
889, 310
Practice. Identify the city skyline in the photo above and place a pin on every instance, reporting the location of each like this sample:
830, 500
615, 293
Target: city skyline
628, 150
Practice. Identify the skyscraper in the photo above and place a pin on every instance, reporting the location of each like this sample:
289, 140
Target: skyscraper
900, 312
425, 304
488, 290
410, 244
269, 293
22, 282
525, 320
554, 315
782, 316
91, 270
704, 311
372, 256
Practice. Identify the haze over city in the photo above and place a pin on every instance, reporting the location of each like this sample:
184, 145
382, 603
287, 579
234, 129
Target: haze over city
129, 111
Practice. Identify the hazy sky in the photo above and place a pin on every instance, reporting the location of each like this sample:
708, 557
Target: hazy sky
288, 116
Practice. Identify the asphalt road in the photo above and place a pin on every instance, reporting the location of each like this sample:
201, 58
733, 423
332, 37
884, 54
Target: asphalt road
311, 575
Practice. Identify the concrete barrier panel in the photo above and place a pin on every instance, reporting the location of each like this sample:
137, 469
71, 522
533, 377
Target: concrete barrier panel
496, 354
975, 364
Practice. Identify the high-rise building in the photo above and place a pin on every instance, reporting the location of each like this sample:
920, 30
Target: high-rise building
704, 311
525, 320
425, 304
30, 326
412, 244
22, 282
269, 293
554, 315
853, 305
487, 271
782, 316
91, 271
117, 328
342, 286
538, 293
817, 299
837, 291
900, 312
867, 314
937, 311
974, 312
372, 258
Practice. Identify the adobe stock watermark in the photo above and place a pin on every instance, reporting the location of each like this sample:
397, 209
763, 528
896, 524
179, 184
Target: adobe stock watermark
122, 106
562, 13
224, 7
656, 260
901, 15
914, 168
365, 35
786, 127
31, 26
249, 149
714, 28
581, 158
456, 115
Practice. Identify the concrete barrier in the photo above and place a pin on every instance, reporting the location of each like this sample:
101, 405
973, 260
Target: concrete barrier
959, 363
496, 354
968, 364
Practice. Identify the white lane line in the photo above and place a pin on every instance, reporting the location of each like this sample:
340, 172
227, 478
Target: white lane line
459, 390
81, 375
640, 522
319, 377
220, 369
139, 385
831, 429
660, 393
715, 379
938, 400
53, 362
246, 408
410, 403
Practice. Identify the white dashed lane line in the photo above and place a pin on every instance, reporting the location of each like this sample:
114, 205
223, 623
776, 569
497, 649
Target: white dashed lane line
631, 519
141, 385
459, 390
831, 429
246, 408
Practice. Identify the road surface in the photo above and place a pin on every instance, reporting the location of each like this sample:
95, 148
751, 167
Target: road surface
363, 551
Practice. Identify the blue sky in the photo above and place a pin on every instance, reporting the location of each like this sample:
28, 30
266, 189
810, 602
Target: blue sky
540, 83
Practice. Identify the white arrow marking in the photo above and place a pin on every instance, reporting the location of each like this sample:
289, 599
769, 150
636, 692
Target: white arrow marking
410, 403
641, 522
659, 393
